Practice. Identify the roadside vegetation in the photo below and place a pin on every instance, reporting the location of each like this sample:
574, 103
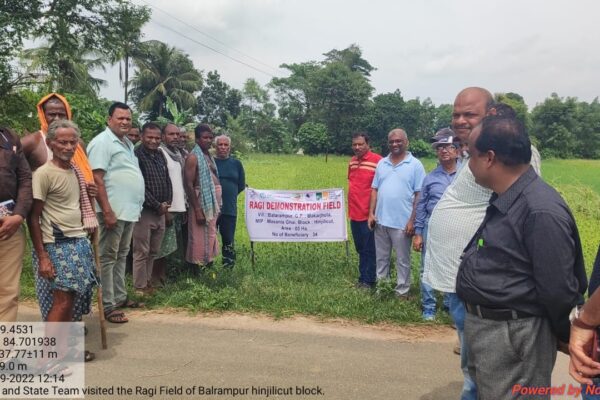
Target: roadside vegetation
318, 278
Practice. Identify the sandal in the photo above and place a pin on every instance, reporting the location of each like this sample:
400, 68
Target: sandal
128, 303
116, 317
73, 355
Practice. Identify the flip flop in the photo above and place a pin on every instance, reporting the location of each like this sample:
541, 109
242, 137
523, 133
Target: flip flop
128, 303
116, 317
73, 355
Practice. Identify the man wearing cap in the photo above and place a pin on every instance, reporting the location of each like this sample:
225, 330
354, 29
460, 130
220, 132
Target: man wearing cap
432, 190
361, 171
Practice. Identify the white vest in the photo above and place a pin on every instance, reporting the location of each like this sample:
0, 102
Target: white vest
176, 175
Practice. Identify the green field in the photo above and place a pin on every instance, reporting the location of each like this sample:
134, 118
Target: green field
317, 278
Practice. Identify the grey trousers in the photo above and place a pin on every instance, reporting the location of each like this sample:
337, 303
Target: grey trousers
387, 239
148, 234
503, 354
114, 246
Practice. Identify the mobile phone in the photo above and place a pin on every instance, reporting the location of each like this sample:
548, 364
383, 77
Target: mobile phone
7, 207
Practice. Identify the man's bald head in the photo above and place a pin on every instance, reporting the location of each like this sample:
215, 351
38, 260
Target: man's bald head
470, 107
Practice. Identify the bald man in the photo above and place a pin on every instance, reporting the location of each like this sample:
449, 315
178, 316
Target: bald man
392, 209
458, 214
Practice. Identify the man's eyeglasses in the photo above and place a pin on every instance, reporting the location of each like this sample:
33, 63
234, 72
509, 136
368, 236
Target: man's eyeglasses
446, 147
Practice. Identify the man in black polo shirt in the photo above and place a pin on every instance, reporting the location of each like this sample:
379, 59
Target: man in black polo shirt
522, 272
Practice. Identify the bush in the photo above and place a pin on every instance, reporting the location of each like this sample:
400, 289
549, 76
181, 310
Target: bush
421, 149
313, 138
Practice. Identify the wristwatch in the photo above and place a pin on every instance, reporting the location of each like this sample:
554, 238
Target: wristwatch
575, 318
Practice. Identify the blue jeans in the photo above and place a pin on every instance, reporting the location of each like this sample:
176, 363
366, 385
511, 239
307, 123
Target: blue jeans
457, 312
364, 242
427, 292
593, 390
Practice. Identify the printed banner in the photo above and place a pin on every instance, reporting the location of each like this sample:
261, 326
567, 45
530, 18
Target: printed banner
296, 216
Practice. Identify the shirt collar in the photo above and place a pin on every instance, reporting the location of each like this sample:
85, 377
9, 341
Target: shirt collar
504, 201
408, 158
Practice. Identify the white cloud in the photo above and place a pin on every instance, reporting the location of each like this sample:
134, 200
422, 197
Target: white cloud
428, 48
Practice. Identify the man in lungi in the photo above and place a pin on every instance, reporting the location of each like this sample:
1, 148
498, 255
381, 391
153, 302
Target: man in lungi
61, 218
203, 191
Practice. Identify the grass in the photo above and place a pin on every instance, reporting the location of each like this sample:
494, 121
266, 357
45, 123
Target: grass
318, 278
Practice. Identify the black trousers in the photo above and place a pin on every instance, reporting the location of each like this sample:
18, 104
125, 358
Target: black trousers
226, 227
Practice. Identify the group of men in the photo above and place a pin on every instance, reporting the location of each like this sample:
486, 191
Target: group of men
501, 244
132, 195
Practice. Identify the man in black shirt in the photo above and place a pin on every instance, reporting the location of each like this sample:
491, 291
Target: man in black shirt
148, 232
523, 270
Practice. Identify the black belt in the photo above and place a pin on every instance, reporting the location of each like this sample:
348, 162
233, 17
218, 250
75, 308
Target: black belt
496, 314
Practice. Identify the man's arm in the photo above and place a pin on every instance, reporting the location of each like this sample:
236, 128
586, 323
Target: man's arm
581, 366
10, 224
409, 230
421, 216
242, 178
372, 204
45, 267
550, 243
110, 220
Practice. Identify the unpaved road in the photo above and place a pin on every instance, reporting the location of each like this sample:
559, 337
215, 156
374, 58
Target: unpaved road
255, 357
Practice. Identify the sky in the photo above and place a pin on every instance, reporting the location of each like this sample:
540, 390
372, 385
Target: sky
424, 48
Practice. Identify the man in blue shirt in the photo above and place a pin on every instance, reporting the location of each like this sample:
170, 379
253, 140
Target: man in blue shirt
394, 195
434, 186
120, 197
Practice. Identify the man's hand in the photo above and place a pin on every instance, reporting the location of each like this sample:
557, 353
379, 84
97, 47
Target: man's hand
417, 242
582, 366
409, 229
92, 189
46, 269
372, 221
163, 208
200, 218
110, 220
168, 219
9, 225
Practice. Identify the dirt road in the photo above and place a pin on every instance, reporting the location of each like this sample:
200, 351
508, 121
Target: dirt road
254, 357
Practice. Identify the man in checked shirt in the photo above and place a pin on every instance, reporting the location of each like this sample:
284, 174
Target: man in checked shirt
148, 232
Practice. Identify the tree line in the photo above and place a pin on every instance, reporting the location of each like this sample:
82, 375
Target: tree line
315, 108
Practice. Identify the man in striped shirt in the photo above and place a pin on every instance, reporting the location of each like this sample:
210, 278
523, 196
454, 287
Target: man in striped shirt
361, 171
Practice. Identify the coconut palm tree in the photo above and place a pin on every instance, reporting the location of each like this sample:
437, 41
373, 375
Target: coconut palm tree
65, 68
163, 71
129, 47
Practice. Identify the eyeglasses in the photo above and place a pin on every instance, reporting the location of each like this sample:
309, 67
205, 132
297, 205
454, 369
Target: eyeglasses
446, 147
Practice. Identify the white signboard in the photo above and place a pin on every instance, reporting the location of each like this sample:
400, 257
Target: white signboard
296, 216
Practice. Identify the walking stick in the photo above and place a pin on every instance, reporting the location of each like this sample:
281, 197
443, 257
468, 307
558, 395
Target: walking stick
99, 289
